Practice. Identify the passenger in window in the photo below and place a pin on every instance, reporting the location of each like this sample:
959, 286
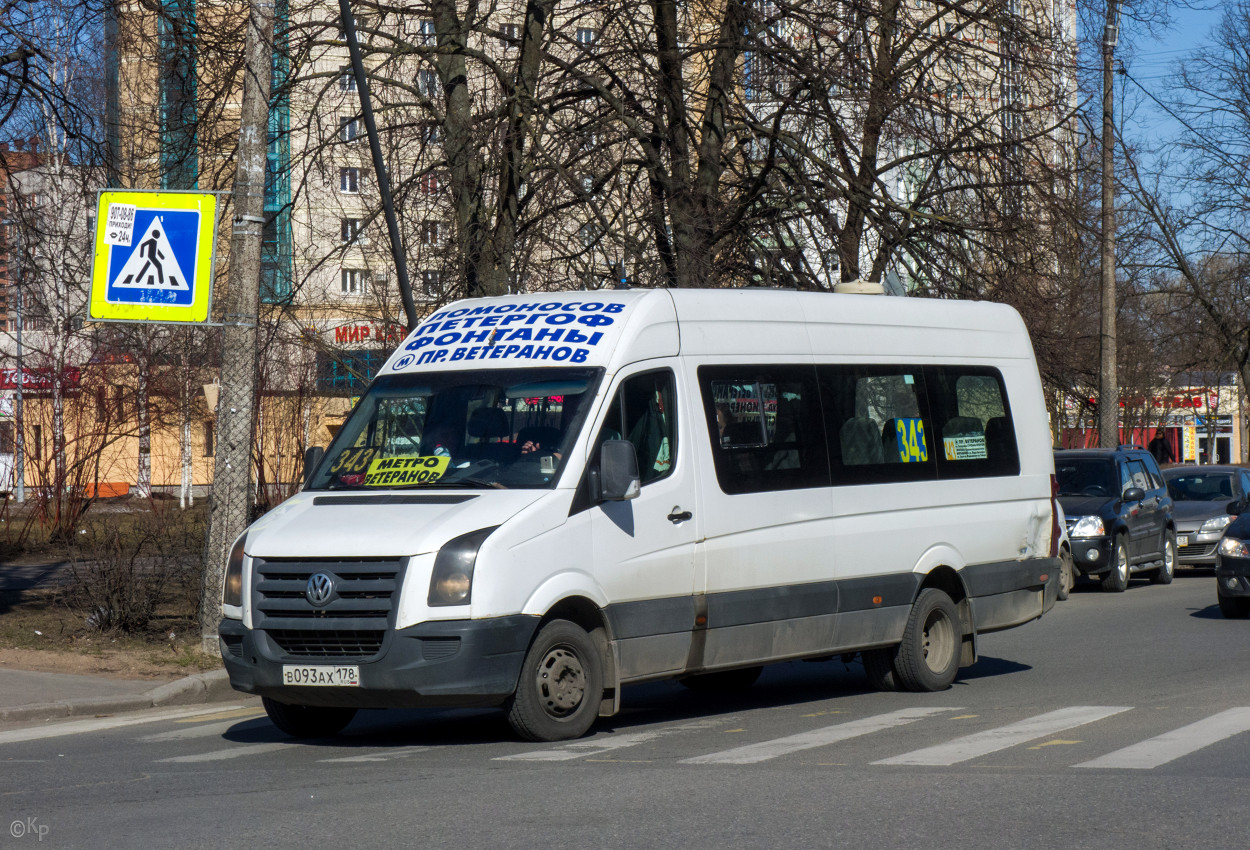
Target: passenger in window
650, 437
724, 418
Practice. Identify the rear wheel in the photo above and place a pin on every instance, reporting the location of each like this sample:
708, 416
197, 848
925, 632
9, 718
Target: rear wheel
723, 681
928, 657
1167, 571
307, 721
1067, 573
1235, 607
561, 685
1116, 581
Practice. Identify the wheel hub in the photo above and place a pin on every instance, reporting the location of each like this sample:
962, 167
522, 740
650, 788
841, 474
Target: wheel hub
561, 681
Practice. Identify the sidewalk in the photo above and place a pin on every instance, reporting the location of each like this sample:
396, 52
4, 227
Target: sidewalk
28, 695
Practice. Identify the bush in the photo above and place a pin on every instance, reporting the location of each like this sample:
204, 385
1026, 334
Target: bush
125, 566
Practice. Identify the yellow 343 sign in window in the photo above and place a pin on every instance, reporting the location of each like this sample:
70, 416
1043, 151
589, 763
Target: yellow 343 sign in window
153, 256
909, 436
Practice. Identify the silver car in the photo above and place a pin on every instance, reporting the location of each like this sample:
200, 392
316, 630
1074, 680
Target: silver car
1206, 498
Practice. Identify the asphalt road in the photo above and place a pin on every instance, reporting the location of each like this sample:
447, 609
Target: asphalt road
1116, 721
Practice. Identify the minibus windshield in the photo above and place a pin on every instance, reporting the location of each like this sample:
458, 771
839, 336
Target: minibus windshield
505, 428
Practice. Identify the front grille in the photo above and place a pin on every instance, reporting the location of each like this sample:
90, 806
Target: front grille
328, 644
1199, 550
352, 623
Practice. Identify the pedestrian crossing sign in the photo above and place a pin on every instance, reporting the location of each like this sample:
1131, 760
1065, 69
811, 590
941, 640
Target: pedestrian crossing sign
153, 256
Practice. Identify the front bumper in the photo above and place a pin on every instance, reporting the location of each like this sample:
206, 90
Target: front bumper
1199, 550
1092, 556
446, 663
1232, 576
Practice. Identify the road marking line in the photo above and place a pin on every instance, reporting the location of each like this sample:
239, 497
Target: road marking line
599, 745
1179, 742
766, 750
992, 740
232, 753
97, 724
208, 730
389, 755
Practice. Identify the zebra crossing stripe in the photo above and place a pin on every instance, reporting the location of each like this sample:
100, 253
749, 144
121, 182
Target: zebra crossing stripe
601, 744
1179, 742
230, 753
206, 730
765, 750
992, 740
98, 724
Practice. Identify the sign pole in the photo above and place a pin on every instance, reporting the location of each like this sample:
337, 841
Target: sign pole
19, 415
230, 505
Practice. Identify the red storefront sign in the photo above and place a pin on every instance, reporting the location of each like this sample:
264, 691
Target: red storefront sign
38, 379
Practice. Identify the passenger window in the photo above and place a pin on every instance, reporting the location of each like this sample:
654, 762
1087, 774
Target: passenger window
764, 426
1138, 477
876, 424
644, 412
969, 404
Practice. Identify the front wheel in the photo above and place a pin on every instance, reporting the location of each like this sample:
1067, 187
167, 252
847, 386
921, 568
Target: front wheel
928, 657
1165, 573
1116, 581
307, 721
561, 685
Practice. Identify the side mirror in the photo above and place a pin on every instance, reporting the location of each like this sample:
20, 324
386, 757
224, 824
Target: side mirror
1134, 494
1234, 508
618, 471
312, 459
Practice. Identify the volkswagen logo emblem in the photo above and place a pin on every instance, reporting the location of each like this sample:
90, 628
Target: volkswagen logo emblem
320, 589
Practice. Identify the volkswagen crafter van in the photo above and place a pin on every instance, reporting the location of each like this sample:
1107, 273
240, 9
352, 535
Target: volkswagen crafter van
543, 498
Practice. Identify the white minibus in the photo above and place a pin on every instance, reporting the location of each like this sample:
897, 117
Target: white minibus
543, 498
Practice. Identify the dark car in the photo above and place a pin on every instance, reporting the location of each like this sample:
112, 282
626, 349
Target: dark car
1119, 515
1204, 501
1232, 569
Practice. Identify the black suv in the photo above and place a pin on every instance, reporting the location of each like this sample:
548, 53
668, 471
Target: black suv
1119, 514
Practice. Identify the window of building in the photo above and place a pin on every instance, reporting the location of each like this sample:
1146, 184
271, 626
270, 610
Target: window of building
427, 84
360, 21
210, 441
354, 281
428, 184
432, 232
509, 36
431, 133
765, 427
432, 282
587, 37
427, 36
349, 129
349, 181
589, 235
351, 231
347, 80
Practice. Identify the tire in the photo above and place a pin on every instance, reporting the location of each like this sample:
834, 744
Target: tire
561, 685
879, 665
1165, 573
928, 657
1234, 607
307, 721
723, 681
1116, 581
1067, 574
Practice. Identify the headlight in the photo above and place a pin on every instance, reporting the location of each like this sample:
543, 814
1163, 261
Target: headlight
1088, 526
232, 591
1216, 523
451, 582
1234, 548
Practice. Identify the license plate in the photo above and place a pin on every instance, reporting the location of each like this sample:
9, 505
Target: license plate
321, 676
1182, 540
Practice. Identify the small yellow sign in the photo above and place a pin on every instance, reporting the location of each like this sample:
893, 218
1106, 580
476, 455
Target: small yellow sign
153, 256
402, 471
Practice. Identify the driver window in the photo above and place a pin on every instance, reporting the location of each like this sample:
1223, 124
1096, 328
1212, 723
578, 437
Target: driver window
644, 411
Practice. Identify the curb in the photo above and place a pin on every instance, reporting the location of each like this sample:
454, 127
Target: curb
189, 690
